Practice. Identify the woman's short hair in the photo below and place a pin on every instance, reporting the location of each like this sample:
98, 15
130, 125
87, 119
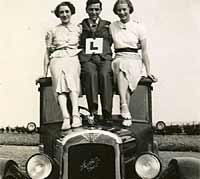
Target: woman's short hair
65, 3
128, 2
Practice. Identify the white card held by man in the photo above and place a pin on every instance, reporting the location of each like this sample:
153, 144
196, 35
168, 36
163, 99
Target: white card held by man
94, 46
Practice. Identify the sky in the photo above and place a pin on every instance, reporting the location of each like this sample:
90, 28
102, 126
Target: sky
173, 31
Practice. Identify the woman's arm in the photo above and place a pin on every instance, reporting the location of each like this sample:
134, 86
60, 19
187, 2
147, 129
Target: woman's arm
46, 63
145, 59
48, 41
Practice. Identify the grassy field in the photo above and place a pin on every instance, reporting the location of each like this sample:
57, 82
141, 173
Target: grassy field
165, 143
178, 142
19, 139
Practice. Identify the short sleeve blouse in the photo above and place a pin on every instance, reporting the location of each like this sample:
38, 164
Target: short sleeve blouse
62, 36
127, 35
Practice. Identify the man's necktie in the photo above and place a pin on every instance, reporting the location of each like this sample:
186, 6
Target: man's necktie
93, 27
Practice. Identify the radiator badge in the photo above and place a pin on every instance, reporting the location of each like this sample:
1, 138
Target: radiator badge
90, 165
91, 137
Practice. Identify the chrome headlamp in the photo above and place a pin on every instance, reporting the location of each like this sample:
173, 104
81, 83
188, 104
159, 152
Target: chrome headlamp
39, 166
147, 166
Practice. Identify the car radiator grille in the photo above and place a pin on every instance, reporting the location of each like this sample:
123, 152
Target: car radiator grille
91, 161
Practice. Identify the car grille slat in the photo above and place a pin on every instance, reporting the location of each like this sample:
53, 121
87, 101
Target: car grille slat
91, 161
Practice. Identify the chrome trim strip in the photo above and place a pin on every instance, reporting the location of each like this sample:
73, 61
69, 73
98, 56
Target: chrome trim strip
92, 131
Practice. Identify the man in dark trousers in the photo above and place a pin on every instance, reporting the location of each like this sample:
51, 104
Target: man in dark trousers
95, 59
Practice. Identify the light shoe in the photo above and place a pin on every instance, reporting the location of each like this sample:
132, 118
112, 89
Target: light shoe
127, 118
125, 111
66, 124
126, 115
76, 121
127, 122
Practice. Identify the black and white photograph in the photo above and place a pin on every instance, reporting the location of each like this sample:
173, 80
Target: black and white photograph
96, 89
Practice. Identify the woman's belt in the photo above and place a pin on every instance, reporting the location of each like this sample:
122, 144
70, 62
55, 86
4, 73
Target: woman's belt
135, 50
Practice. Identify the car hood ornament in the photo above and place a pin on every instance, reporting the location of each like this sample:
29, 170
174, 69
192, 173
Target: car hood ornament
91, 137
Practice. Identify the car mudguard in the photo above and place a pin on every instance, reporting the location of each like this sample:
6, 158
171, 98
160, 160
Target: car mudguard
9, 169
189, 167
4, 163
182, 168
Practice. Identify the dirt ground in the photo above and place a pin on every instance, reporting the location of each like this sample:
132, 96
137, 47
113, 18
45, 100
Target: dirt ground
20, 154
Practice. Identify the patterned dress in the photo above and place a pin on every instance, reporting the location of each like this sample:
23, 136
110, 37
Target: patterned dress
127, 36
62, 42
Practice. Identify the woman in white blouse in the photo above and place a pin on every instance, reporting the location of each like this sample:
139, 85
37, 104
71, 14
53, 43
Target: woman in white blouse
127, 64
62, 57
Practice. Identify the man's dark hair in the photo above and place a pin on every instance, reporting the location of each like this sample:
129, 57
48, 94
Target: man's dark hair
89, 2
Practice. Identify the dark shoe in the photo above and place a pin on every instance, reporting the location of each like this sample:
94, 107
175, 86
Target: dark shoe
106, 115
91, 120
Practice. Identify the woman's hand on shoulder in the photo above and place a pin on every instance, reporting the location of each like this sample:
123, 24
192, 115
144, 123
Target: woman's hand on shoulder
139, 46
39, 78
152, 77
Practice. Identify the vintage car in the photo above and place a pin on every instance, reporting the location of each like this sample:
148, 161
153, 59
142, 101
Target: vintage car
104, 150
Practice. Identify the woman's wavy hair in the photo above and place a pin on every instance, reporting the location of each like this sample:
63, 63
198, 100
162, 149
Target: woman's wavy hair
130, 5
65, 3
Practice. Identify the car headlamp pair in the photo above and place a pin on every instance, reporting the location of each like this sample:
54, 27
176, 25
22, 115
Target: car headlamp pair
39, 166
147, 166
